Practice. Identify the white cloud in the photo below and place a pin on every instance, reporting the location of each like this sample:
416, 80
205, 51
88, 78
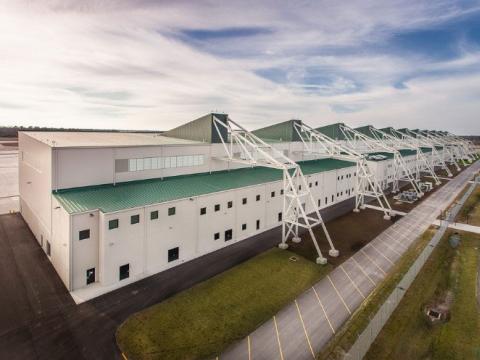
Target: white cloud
113, 64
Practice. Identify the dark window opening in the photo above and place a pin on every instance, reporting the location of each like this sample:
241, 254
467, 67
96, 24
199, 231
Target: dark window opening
154, 215
310, 185
258, 224
244, 226
134, 219
173, 254
113, 224
333, 198
244, 201
279, 216
203, 211
316, 183
258, 197
319, 202
124, 271
230, 204
171, 211
326, 200
216, 236
228, 234
217, 207
48, 248
84, 234
90, 276
281, 192
272, 194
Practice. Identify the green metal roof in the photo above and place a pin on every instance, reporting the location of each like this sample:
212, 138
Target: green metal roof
389, 155
367, 130
201, 129
283, 131
109, 198
333, 131
426, 149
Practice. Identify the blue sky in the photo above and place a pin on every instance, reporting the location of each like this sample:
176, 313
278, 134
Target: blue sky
154, 65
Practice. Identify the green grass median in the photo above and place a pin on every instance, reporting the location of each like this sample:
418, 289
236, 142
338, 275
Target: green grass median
200, 322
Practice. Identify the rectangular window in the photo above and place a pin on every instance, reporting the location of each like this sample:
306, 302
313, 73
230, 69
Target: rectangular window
281, 192
90, 276
173, 254
154, 163
319, 202
244, 226
173, 161
333, 199
244, 201
49, 250
257, 197
166, 162
217, 207
316, 183
180, 161
216, 236
230, 204
124, 271
203, 211
310, 185
147, 164
326, 200
132, 165
228, 235
139, 164
113, 224
279, 216
258, 224
134, 219
299, 187
171, 211
154, 215
84, 234
272, 194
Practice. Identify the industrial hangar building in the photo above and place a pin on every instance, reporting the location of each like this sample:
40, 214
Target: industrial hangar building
112, 208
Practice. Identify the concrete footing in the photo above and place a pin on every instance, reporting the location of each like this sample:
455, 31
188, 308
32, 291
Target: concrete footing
333, 252
296, 239
321, 261
283, 246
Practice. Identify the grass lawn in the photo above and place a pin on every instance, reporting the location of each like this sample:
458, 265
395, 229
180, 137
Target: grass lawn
407, 335
360, 319
470, 212
201, 321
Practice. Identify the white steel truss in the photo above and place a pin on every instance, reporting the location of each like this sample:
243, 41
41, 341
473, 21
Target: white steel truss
449, 152
356, 139
457, 151
318, 144
296, 191
421, 162
437, 159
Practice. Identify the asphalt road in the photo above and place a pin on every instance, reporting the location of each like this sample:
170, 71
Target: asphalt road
302, 328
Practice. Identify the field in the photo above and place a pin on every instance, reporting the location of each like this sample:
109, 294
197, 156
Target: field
408, 335
201, 321
470, 213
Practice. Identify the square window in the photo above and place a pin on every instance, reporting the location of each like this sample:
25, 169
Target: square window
272, 194
154, 215
134, 219
258, 224
113, 224
216, 236
257, 197
84, 234
244, 201
203, 211
244, 226
171, 211
124, 271
228, 234
279, 216
230, 204
217, 207
173, 254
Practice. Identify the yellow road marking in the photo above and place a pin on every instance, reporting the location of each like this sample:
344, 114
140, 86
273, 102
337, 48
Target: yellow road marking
278, 337
405, 247
351, 280
321, 305
381, 253
304, 329
339, 295
249, 348
364, 272
123, 355
373, 262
